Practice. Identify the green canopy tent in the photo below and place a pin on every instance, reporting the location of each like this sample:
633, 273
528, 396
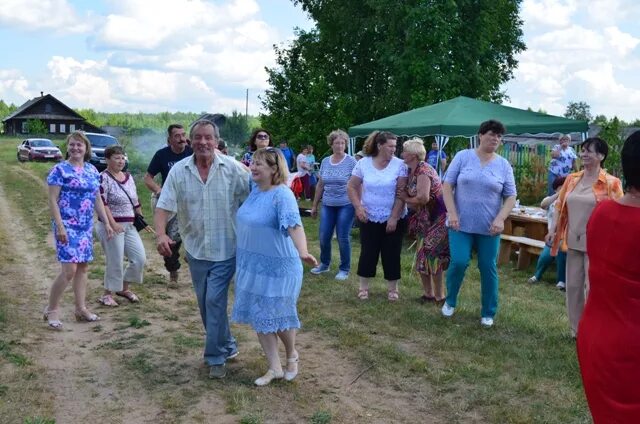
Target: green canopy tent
461, 117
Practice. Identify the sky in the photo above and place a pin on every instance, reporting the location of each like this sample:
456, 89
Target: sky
202, 55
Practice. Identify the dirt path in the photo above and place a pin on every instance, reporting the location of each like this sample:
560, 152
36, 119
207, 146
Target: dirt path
142, 363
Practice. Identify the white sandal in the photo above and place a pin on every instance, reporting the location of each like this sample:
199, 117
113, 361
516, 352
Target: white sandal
56, 324
290, 375
270, 375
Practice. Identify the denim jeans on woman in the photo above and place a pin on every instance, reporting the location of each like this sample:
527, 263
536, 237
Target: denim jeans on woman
339, 218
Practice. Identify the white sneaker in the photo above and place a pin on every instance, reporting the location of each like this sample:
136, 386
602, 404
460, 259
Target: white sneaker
532, 280
319, 269
342, 275
560, 285
447, 310
486, 321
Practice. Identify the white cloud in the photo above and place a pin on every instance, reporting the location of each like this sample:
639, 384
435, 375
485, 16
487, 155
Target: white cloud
554, 13
13, 85
622, 42
34, 15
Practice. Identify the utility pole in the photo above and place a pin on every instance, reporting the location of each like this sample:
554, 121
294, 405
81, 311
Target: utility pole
246, 108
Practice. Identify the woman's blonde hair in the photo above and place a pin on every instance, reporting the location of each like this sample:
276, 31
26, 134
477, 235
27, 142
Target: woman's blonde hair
335, 134
275, 160
415, 146
80, 136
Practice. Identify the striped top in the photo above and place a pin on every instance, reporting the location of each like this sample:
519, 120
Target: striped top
335, 178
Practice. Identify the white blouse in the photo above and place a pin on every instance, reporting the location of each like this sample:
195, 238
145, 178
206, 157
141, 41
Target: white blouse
379, 187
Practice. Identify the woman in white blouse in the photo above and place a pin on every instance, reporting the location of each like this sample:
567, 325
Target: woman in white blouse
372, 189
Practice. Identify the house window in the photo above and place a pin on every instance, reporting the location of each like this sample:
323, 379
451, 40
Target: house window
47, 108
24, 127
52, 128
63, 128
72, 127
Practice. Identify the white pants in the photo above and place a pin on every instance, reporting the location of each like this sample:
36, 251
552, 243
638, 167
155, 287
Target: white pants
129, 244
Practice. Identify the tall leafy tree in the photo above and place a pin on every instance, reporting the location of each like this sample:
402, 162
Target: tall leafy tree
235, 129
578, 110
368, 59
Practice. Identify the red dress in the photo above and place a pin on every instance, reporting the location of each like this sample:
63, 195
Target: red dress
609, 335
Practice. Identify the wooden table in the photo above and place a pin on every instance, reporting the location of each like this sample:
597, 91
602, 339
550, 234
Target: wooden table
525, 228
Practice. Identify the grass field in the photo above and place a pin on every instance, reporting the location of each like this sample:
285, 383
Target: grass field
523, 370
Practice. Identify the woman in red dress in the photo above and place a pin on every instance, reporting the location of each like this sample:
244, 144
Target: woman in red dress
609, 336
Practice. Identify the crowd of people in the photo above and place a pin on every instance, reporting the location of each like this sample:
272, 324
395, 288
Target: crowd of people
240, 218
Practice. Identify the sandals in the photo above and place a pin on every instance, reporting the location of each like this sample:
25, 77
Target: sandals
363, 294
131, 296
426, 299
290, 375
107, 300
270, 375
393, 295
56, 324
85, 315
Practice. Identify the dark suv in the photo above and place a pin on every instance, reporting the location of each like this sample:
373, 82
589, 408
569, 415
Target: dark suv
99, 142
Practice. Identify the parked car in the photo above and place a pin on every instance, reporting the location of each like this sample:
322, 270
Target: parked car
38, 149
99, 142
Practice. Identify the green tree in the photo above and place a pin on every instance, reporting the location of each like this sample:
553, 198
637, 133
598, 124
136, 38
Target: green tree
366, 60
36, 127
578, 110
235, 129
612, 133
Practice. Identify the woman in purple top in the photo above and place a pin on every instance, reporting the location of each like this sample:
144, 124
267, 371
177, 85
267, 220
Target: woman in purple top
73, 196
485, 193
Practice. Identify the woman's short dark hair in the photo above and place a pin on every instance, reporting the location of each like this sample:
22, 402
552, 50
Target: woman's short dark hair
375, 140
631, 161
492, 125
113, 150
254, 134
599, 146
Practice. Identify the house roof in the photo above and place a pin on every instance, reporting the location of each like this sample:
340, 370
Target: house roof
29, 103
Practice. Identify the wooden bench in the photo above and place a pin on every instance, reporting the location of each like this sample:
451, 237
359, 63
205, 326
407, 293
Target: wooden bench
527, 247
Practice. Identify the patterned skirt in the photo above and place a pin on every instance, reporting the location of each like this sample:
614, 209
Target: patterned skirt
433, 254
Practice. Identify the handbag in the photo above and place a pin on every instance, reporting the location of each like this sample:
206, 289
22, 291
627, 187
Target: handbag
138, 219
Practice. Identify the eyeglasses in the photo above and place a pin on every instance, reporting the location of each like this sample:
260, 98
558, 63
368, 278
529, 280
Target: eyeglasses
262, 136
275, 153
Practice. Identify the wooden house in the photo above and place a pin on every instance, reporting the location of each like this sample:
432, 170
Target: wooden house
58, 118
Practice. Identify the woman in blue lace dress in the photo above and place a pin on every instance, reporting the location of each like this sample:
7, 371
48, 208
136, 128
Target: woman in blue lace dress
270, 242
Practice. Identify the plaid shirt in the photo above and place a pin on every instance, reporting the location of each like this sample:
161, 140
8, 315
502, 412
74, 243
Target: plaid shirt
606, 187
206, 211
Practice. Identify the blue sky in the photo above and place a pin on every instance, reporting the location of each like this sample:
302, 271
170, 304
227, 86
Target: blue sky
200, 55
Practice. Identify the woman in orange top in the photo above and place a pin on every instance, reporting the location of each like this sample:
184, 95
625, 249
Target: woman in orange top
581, 192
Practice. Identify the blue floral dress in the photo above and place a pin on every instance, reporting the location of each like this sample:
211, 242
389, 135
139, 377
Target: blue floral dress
79, 188
268, 266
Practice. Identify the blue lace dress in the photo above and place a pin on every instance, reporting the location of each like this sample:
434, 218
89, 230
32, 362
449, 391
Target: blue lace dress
268, 266
78, 191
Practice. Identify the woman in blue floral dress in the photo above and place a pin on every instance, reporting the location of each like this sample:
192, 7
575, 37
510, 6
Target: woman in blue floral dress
73, 196
270, 242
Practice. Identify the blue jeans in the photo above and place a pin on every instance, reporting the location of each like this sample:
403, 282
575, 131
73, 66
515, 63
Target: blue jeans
545, 260
461, 245
550, 179
211, 284
339, 218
